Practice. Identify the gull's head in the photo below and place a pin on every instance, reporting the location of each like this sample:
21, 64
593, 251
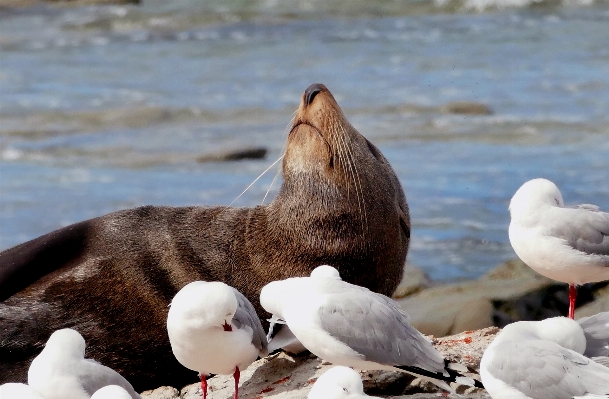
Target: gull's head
202, 304
272, 296
325, 271
275, 294
111, 392
534, 194
560, 330
65, 343
563, 331
337, 383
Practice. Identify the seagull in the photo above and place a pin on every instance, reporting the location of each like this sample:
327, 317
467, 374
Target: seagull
596, 331
540, 360
567, 244
111, 392
339, 382
213, 328
352, 326
61, 371
13, 390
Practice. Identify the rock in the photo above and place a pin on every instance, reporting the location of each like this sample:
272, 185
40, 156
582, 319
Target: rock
414, 280
234, 155
450, 309
466, 108
283, 376
509, 293
162, 393
600, 304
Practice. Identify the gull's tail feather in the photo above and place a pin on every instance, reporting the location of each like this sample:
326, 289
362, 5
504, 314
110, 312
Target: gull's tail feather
442, 379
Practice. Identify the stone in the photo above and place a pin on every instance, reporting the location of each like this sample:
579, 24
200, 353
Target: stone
466, 108
450, 309
234, 155
413, 281
162, 393
600, 304
508, 293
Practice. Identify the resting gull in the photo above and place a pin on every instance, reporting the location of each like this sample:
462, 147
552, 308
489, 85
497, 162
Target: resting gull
339, 382
61, 371
352, 326
213, 328
541, 360
567, 244
111, 392
13, 390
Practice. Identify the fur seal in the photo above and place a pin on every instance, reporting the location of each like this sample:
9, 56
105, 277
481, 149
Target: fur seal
112, 277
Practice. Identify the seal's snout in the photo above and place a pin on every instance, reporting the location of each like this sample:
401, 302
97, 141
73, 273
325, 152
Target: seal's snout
312, 91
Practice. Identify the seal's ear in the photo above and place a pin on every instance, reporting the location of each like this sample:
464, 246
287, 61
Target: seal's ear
375, 151
404, 222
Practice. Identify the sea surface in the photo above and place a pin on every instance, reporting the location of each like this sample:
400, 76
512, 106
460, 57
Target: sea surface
108, 107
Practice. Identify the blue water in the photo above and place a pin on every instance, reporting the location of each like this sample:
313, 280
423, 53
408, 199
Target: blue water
105, 108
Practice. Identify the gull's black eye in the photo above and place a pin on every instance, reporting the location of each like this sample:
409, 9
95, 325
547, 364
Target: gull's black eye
557, 202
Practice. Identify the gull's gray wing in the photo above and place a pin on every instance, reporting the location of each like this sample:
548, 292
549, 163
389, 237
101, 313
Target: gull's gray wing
584, 229
375, 326
596, 330
246, 315
604, 360
93, 376
543, 369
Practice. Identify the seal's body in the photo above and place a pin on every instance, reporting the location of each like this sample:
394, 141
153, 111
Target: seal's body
112, 277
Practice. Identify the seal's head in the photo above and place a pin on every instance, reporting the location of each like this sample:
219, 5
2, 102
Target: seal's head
340, 202
323, 143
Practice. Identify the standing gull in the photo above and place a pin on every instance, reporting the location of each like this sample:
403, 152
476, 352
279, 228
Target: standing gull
61, 371
541, 360
339, 382
568, 244
352, 326
213, 328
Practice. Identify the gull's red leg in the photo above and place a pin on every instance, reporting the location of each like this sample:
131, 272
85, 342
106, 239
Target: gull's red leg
572, 297
236, 376
204, 385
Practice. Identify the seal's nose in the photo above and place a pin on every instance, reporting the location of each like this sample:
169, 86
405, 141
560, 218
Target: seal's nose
311, 92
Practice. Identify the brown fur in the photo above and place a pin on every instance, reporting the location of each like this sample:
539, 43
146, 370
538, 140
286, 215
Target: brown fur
112, 277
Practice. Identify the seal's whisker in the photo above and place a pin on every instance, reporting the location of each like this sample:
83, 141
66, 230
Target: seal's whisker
256, 179
271, 186
343, 158
358, 183
345, 162
350, 164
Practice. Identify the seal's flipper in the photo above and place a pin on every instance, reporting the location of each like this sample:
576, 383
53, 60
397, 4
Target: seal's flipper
22, 265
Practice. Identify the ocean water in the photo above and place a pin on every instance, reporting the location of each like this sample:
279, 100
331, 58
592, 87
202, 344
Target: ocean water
108, 107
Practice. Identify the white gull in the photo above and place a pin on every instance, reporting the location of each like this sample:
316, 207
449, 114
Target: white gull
111, 392
14, 390
352, 326
566, 244
339, 382
213, 328
541, 360
61, 371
